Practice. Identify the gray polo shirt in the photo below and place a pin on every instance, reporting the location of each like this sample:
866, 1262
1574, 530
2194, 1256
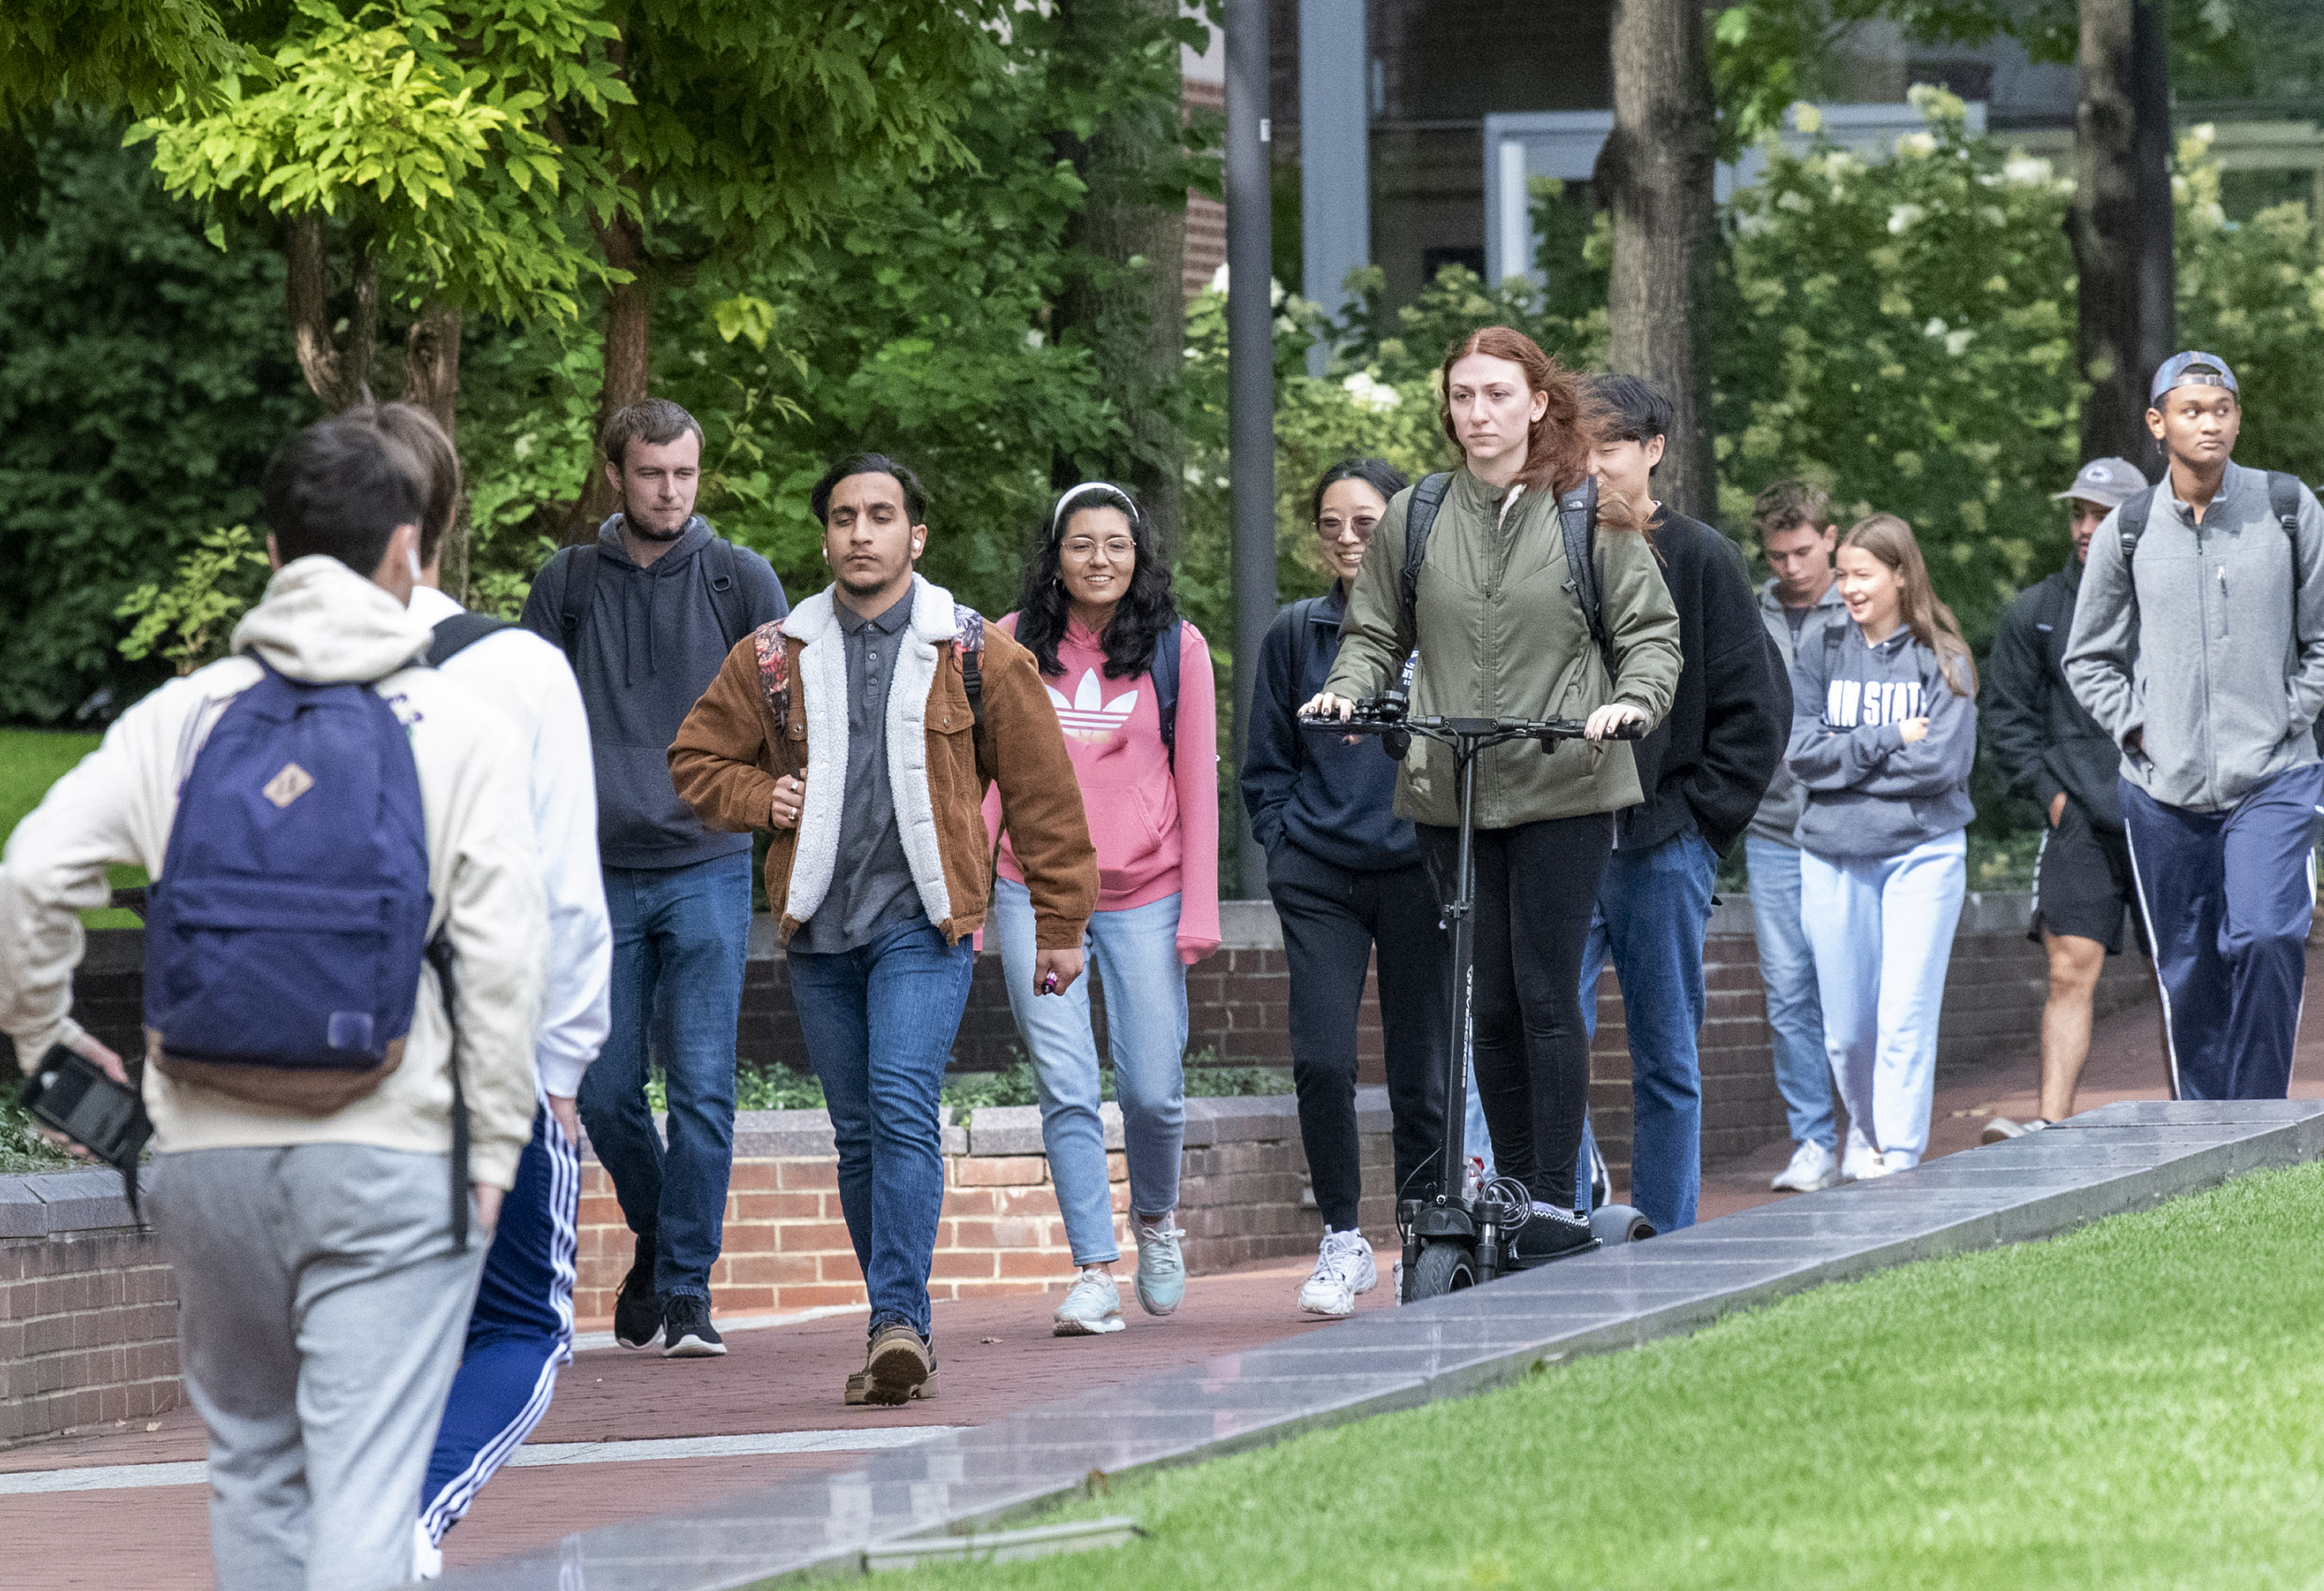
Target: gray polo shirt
871, 888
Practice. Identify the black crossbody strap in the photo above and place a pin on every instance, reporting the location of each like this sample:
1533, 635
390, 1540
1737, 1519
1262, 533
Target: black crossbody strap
580, 592
439, 956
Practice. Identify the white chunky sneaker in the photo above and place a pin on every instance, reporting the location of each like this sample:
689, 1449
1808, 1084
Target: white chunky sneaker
427, 1558
1859, 1159
1092, 1307
1813, 1166
1161, 1267
1900, 1160
1344, 1268
2001, 1129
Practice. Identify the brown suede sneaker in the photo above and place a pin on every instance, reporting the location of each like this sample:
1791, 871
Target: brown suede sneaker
897, 1369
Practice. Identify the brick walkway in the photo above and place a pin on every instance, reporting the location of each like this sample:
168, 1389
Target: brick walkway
997, 1356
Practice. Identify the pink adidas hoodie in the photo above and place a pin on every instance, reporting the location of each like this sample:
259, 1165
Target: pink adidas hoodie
1157, 832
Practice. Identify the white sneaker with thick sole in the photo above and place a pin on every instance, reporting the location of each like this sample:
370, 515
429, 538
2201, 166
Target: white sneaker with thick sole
1859, 1159
1813, 1166
1092, 1306
1344, 1268
2001, 1129
1161, 1279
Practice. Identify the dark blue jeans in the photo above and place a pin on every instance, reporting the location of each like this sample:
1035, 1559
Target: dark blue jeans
681, 936
1653, 908
879, 1021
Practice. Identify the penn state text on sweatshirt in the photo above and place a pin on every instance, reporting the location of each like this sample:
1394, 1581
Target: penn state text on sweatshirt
1869, 793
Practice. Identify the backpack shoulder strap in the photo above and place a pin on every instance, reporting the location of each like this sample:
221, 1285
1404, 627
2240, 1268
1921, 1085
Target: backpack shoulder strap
1577, 522
1164, 672
1833, 635
455, 634
723, 569
2284, 501
2130, 523
968, 641
1419, 520
580, 592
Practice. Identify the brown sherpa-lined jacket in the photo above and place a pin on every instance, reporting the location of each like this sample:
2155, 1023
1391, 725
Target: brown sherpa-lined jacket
782, 692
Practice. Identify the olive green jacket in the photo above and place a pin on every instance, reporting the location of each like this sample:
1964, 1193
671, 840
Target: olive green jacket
1501, 635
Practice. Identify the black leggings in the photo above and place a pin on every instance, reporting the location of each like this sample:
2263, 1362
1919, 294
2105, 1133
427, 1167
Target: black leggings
1536, 886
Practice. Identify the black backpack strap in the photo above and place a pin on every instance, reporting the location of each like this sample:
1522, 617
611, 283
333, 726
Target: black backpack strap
439, 956
580, 592
1303, 618
455, 634
1577, 522
1419, 520
1164, 672
723, 569
2130, 524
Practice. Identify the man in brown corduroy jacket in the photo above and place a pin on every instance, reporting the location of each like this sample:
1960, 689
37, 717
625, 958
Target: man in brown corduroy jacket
880, 870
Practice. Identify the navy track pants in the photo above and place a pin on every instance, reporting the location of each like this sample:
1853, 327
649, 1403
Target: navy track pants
519, 1333
2227, 897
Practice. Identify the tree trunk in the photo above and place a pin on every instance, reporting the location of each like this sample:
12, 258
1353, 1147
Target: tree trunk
1126, 303
628, 333
431, 379
337, 369
1655, 174
2104, 225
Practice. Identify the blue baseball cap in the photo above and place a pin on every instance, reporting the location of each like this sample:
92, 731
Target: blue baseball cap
2191, 369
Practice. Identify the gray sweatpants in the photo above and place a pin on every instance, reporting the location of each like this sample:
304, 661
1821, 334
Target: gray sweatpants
321, 1308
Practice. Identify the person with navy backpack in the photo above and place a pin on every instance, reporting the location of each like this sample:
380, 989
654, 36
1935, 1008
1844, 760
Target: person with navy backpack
520, 1331
646, 612
342, 976
2198, 647
1132, 686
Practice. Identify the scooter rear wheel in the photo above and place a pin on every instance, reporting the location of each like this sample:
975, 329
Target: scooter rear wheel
1442, 1268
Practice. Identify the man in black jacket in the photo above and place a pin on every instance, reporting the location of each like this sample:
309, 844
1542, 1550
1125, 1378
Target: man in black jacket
2055, 755
1704, 771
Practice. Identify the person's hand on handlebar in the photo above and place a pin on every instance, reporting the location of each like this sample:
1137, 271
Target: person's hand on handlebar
1325, 705
1610, 718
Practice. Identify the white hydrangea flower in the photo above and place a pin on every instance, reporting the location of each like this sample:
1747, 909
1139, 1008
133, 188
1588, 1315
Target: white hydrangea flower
1935, 328
2026, 170
1806, 118
1371, 393
1219, 278
1957, 342
1904, 216
1916, 146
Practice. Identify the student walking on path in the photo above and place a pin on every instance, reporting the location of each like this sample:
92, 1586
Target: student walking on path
1346, 875
864, 730
646, 613
520, 1331
1802, 596
1703, 770
1500, 623
2198, 647
1883, 730
2055, 756
1133, 690
302, 1066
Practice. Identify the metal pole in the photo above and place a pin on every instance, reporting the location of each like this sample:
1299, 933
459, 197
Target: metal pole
1250, 382
2149, 80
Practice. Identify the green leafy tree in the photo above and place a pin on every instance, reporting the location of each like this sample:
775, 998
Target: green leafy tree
189, 621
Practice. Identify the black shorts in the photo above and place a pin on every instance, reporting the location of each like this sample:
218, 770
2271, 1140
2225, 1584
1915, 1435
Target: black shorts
2083, 881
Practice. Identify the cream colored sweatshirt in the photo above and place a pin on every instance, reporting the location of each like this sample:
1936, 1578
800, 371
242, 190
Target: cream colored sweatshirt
319, 622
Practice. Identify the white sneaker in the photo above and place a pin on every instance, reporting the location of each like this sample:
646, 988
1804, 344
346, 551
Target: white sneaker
1858, 1159
1813, 1166
2001, 1129
1876, 1169
427, 1558
1092, 1306
1900, 1160
1161, 1279
1344, 1268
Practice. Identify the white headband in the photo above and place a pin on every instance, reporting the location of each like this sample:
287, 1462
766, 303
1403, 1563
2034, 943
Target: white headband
1057, 514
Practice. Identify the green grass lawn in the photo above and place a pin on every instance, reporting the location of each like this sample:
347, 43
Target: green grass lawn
31, 760
2140, 1403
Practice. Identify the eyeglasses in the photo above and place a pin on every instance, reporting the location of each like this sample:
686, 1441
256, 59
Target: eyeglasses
1331, 527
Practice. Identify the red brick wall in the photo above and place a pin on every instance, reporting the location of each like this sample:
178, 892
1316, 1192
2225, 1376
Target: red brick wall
89, 1332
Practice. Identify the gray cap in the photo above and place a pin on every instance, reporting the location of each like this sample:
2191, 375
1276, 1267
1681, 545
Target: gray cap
2108, 482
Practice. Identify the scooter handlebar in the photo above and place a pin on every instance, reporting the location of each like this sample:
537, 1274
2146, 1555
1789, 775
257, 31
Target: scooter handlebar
1384, 715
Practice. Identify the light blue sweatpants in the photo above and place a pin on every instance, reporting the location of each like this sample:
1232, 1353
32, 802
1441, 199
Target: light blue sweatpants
1882, 931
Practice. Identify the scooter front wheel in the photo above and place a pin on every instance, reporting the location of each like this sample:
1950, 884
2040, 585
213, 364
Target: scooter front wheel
1619, 1223
1443, 1267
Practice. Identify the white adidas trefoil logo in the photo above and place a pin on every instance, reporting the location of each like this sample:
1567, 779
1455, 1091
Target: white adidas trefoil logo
1089, 716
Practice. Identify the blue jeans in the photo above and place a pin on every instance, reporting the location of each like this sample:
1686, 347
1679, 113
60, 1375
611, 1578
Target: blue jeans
1136, 952
1652, 907
879, 1022
1794, 1008
681, 936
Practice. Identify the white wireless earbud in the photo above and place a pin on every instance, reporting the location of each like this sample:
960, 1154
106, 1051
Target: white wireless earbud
411, 556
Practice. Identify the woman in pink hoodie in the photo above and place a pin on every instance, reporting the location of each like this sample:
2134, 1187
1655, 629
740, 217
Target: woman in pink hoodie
1096, 616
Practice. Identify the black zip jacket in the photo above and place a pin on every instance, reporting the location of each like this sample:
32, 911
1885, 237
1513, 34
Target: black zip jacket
1333, 801
2045, 740
1709, 760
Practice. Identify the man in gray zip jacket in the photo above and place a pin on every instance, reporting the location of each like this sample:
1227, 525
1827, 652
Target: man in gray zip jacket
2201, 655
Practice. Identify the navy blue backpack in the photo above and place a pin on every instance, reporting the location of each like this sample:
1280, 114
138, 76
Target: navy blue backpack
284, 938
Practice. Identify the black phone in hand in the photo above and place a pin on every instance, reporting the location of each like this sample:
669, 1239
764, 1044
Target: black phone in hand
71, 1093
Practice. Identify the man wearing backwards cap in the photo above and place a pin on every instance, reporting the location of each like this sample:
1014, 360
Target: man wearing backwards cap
2198, 647
2054, 753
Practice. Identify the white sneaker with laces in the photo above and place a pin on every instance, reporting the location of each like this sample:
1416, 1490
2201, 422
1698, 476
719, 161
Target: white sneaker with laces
1092, 1306
1859, 1159
1813, 1166
1161, 1279
2001, 1129
1344, 1267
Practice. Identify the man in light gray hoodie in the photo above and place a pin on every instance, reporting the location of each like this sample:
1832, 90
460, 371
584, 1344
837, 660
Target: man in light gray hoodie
2198, 647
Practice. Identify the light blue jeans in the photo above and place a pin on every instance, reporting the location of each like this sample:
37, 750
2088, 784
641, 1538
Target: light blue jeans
1882, 930
1794, 1009
1136, 952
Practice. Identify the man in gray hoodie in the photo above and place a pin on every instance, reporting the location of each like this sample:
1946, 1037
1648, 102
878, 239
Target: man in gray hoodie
2198, 647
646, 614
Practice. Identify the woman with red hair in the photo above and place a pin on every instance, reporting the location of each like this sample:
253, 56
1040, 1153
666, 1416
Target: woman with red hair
1498, 632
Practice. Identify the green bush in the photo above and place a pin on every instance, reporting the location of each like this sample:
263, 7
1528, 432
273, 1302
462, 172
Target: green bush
780, 1087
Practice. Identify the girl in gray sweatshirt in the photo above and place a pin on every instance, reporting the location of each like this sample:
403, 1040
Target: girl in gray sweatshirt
1883, 730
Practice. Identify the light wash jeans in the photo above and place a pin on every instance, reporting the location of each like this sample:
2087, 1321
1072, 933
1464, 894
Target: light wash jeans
1136, 952
1882, 930
1794, 1010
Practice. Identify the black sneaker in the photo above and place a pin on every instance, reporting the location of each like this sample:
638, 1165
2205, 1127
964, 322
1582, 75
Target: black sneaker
687, 1332
1549, 1234
637, 1313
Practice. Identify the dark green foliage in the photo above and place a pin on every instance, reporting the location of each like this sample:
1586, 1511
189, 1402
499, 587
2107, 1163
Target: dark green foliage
144, 376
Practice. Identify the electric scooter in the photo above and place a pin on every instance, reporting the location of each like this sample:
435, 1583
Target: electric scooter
1459, 1238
